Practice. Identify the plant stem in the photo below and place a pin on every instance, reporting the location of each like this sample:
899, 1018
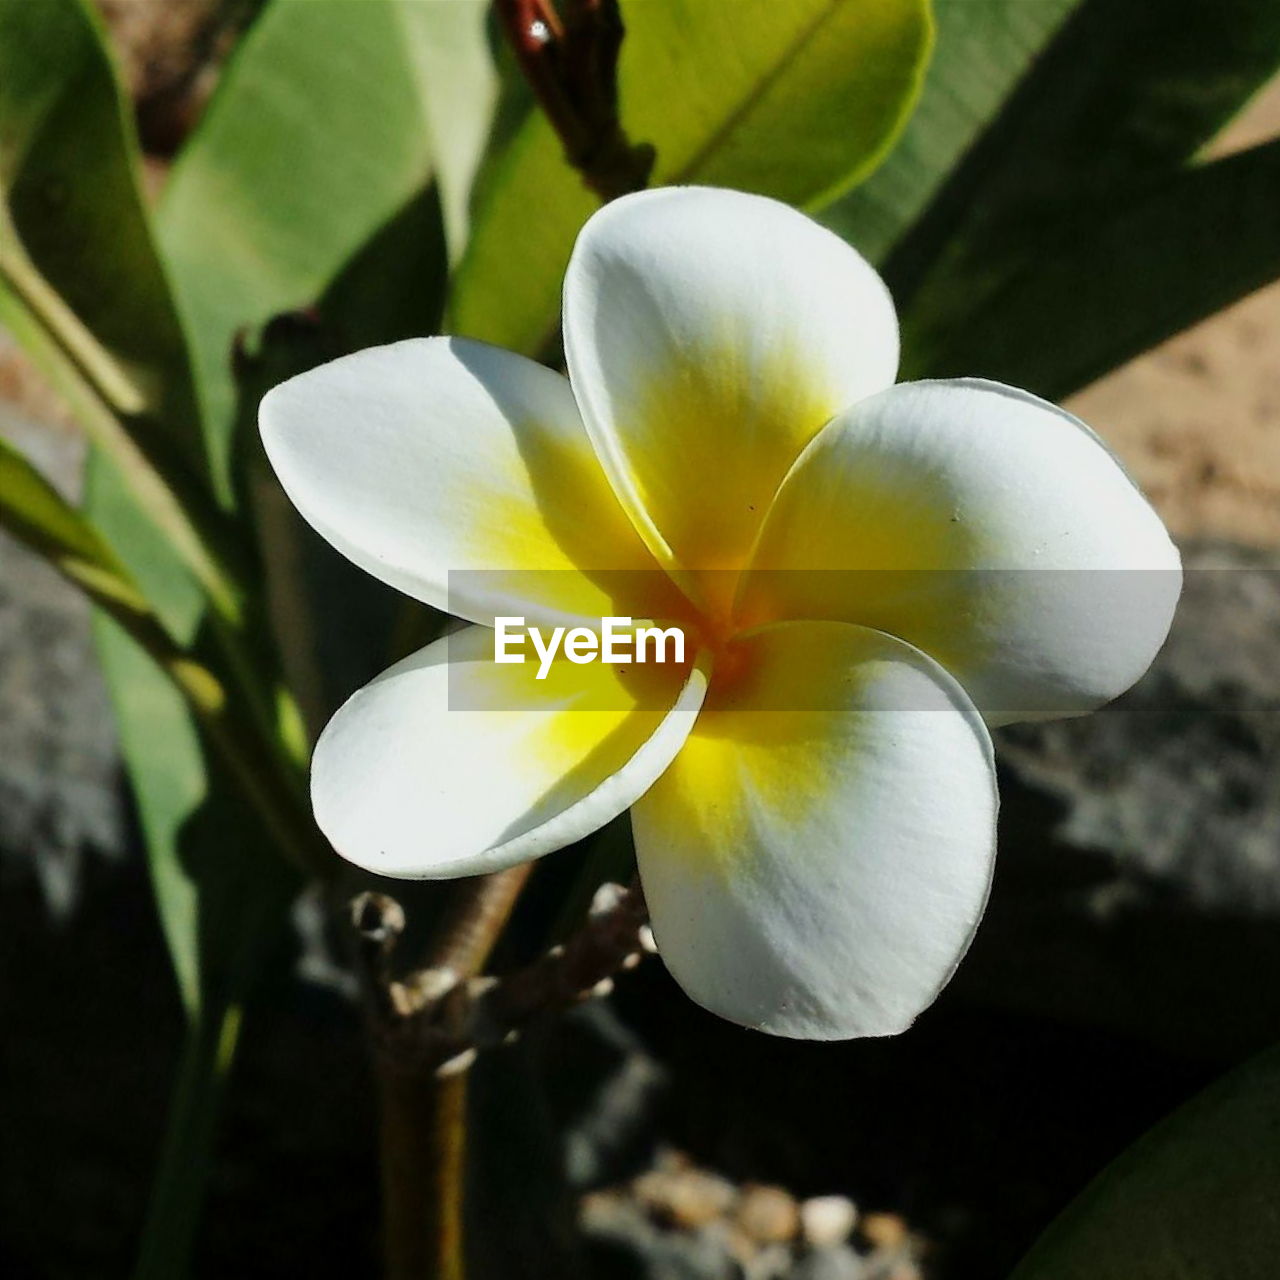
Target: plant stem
422, 1140
479, 912
423, 1121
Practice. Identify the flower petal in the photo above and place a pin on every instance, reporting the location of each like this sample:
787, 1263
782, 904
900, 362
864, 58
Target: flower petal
709, 335
818, 856
985, 526
449, 764
461, 475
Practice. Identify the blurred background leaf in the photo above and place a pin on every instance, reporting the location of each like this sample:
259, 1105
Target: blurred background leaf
223, 893
317, 139
449, 45
1092, 292
81, 283
351, 227
982, 49
805, 99
1077, 165
75, 245
1198, 1196
83, 287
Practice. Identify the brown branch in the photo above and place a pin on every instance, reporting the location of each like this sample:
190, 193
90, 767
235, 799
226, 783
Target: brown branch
377, 922
422, 1112
477, 916
422, 1143
428, 1027
615, 936
438, 1019
571, 64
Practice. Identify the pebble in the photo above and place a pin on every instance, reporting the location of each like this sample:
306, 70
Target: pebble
685, 1197
827, 1220
768, 1214
884, 1230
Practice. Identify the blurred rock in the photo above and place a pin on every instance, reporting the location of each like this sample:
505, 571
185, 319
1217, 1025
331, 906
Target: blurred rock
59, 773
773, 1262
1138, 884
1178, 779
604, 1090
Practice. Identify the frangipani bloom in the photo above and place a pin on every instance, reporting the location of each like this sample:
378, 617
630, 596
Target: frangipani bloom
868, 575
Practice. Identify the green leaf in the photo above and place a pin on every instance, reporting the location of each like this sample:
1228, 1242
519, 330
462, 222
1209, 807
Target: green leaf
1196, 1198
173, 1215
316, 139
222, 897
982, 49
1072, 166
222, 894
35, 513
450, 47
1090, 295
82, 286
75, 245
796, 100
211, 859
1163, 81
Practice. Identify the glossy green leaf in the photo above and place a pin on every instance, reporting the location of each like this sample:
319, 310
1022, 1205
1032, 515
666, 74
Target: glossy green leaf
796, 100
982, 49
1030, 230
316, 139
1197, 1198
1090, 295
1163, 81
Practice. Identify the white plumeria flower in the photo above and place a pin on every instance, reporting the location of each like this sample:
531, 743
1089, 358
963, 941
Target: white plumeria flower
813, 795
